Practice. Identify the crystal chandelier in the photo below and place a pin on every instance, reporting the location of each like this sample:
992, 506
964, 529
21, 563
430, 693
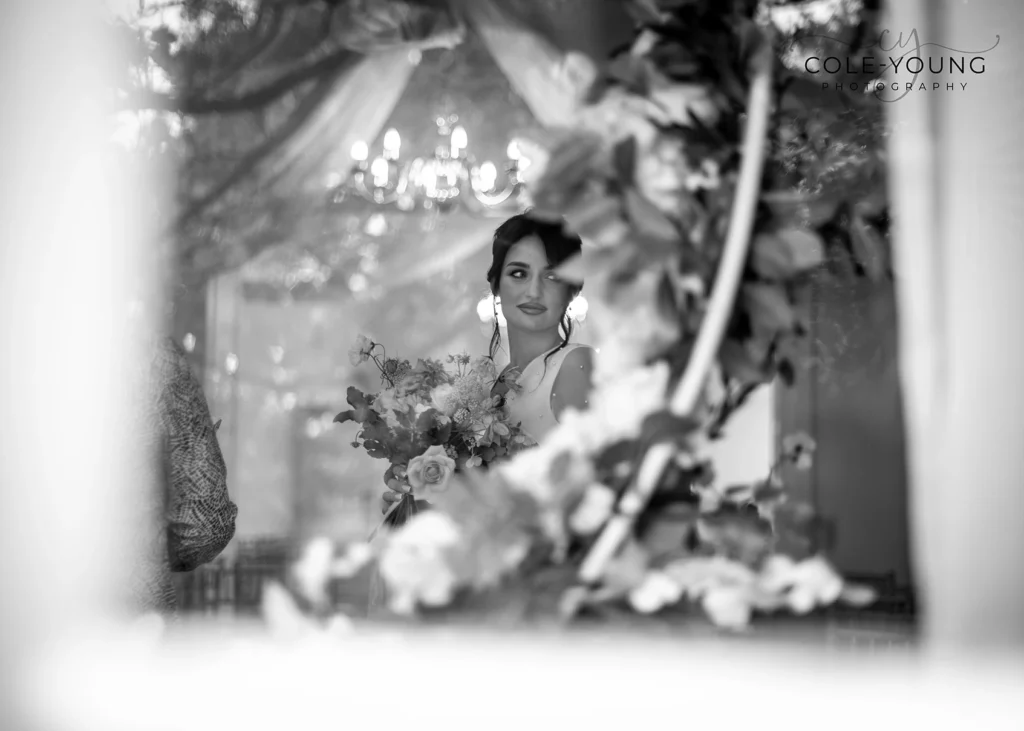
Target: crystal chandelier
448, 179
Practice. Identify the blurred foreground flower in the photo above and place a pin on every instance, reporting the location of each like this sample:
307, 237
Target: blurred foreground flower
414, 562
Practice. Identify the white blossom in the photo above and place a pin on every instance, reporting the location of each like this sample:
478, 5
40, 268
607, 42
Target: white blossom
312, 571
593, 511
414, 565
656, 591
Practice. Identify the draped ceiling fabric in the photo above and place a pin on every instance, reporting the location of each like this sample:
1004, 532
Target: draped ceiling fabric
524, 39
356, 109
956, 186
528, 40
593, 27
391, 35
356, 106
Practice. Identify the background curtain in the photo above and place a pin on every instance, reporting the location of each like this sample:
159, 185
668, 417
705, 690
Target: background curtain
957, 168
529, 39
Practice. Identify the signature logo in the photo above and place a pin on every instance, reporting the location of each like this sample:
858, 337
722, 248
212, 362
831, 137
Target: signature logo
901, 55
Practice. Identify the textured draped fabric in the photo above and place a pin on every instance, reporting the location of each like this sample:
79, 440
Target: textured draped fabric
181, 513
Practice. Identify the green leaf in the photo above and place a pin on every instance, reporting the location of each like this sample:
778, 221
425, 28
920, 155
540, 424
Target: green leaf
631, 71
654, 228
570, 166
781, 254
766, 491
768, 308
736, 533
377, 450
793, 208
616, 454
595, 217
355, 397
427, 420
572, 270
873, 203
628, 568
345, 416
560, 466
869, 248
662, 426
624, 160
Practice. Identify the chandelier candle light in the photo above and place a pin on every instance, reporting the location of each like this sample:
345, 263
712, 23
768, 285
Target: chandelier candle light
447, 179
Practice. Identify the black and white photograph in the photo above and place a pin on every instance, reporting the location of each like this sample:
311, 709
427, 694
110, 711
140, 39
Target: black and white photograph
511, 363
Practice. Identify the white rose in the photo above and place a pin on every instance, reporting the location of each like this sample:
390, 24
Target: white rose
530, 472
728, 606
657, 591
356, 556
696, 576
431, 471
817, 576
414, 566
312, 571
593, 511
621, 404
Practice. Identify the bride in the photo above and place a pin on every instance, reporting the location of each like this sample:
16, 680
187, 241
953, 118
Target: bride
552, 373
546, 373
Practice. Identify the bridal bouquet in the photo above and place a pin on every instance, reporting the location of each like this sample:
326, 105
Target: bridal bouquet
429, 421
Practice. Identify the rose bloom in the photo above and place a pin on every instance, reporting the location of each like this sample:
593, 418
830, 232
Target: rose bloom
728, 606
431, 471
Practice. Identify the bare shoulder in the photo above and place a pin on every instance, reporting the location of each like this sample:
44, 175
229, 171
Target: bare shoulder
573, 382
578, 358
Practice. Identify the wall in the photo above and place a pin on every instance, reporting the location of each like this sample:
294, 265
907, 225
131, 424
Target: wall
848, 398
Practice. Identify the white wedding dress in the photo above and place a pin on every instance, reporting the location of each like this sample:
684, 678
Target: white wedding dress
530, 403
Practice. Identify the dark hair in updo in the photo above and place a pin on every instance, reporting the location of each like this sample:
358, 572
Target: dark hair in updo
559, 247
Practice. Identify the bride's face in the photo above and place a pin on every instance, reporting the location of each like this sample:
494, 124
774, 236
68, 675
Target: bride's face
532, 297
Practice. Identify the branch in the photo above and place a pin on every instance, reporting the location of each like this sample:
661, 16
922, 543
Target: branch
256, 157
255, 99
720, 307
